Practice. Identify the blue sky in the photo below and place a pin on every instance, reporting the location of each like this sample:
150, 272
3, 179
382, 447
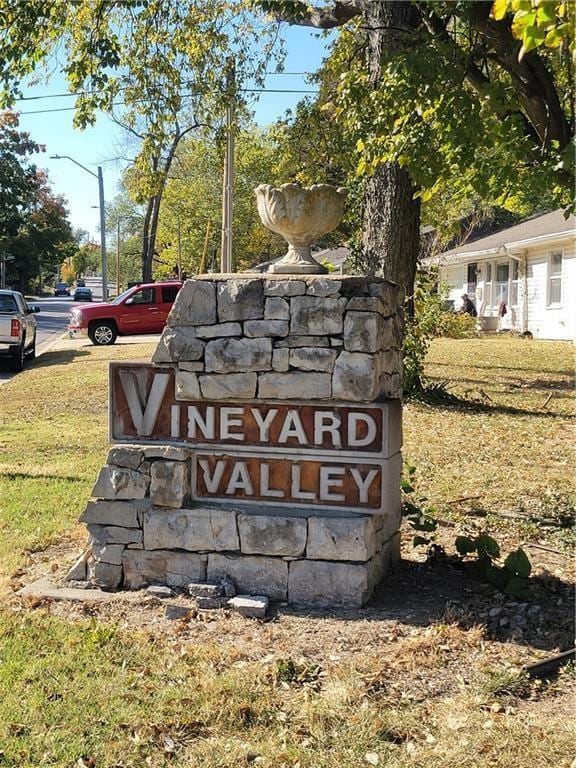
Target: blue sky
102, 143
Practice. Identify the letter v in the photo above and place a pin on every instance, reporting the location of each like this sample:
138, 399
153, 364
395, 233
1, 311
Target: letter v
144, 419
213, 482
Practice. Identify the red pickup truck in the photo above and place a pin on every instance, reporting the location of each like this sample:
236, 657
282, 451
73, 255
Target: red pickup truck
141, 309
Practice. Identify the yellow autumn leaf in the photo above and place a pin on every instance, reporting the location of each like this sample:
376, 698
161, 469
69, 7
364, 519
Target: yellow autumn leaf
499, 9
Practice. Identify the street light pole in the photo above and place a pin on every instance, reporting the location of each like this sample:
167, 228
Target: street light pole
102, 217
103, 235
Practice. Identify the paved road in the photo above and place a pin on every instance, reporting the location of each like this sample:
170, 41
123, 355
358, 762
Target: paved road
52, 322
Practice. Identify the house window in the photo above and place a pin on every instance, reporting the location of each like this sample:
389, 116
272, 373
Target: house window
555, 278
471, 278
488, 285
514, 283
502, 277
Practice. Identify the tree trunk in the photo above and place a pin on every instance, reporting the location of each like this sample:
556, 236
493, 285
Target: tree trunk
391, 236
146, 256
391, 215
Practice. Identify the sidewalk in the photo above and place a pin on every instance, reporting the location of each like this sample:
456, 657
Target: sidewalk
65, 342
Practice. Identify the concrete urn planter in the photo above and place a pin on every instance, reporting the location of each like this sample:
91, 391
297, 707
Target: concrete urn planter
301, 216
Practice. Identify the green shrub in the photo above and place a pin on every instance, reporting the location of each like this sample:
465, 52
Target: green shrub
456, 326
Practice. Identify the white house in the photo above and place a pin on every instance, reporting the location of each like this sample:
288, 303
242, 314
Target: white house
528, 269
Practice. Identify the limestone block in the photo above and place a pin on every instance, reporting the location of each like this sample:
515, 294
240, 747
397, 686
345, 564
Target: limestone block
356, 377
313, 359
108, 553
103, 535
341, 538
240, 300
276, 308
195, 304
322, 286
253, 575
370, 304
219, 330
255, 328
203, 589
399, 328
272, 535
105, 575
211, 603
329, 584
169, 483
79, 570
284, 288
292, 342
160, 592
391, 385
336, 341
174, 569
280, 360
294, 385
223, 386
170, 452
194, 367
252, 607
237, 355
393, 544
126, 514
316, 316
120, 483
364, 332
187, 386
390, 361
391, 482
191, 529
177, 344
389, 293
125, 456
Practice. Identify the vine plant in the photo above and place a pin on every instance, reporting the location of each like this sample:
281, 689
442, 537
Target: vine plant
510, 577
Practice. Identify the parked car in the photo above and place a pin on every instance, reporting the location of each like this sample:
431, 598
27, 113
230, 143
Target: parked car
61, 289
83, 294
17, 329
141, 309
80, 283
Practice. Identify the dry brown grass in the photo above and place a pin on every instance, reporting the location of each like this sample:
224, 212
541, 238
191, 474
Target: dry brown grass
515, 448
415, 679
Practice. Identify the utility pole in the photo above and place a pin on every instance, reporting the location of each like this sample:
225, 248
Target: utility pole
118, 256
228, 184
102, 217
103, 235
179, 257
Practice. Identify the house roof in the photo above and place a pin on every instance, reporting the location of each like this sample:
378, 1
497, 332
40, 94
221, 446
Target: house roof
546, 226
336, 256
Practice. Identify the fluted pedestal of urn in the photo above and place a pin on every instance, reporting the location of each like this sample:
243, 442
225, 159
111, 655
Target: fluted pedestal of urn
301, 216
298, 260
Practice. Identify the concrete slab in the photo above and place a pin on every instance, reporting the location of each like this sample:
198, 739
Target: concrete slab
45, 588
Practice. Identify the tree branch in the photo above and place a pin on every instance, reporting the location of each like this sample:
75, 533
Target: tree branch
311, 16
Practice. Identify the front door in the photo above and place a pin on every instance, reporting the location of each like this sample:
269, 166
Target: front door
140, 312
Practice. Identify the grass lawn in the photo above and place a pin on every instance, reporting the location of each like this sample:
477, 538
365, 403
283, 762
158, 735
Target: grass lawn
416, 679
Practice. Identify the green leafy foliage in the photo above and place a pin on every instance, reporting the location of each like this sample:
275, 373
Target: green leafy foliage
510, 577
34, 230
414, 509
538, 23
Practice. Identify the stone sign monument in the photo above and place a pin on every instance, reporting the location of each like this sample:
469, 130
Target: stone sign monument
262, 443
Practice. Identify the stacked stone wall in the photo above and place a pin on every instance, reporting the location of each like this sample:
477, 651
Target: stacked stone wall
275, 338
237, 338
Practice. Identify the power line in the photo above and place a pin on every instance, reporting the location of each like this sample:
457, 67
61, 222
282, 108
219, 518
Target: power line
122, 103
87, 93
